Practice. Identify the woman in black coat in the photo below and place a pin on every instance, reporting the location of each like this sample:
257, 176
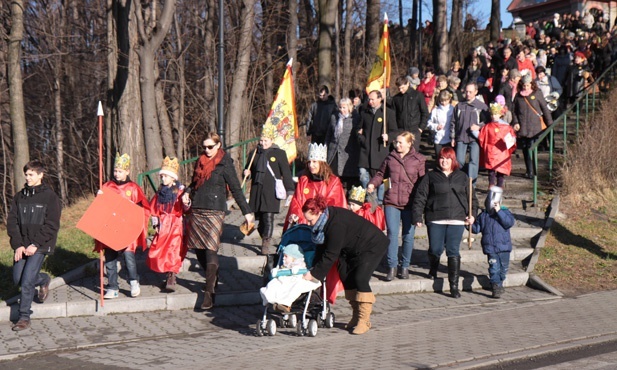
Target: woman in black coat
342, 143
207, 196
528, 106
270, 162
443, 198
357, 244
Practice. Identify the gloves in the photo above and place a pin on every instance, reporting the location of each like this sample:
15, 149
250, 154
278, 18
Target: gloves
274, 272
295, 270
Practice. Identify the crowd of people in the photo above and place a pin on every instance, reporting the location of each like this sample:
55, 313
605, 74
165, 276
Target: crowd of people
364, 175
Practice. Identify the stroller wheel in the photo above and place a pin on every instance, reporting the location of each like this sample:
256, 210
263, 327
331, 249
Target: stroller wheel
292, 321
329, 322
271, 327
312, 328
258, 329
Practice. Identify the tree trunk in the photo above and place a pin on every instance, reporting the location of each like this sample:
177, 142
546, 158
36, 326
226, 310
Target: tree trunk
495, 20
150, 43
16, 95
373, 32
126, 116
169, 148
456, 28
237, 102
440, 40
210, 66
292, 35
179, 93
413, 35
347, 85
327, 18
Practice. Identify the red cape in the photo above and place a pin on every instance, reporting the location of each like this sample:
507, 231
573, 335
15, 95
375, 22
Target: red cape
167, 250
378, 218
494, 154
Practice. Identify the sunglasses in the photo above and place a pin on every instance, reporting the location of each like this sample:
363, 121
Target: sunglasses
209, 147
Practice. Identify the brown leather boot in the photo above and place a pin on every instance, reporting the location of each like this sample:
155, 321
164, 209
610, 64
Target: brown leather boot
365, 307
350, 295
265, 247
211, 280
170, 285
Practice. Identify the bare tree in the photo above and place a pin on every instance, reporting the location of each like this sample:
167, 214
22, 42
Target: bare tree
19, 132
151, 39
440, 40
495, 20
292, 33
373, 31
327, 18
456, 28
347, 47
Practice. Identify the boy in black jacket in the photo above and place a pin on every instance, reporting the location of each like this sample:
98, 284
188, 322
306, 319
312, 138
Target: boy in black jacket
32, 226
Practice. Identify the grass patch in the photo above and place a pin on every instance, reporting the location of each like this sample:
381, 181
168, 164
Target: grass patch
580, 254
74, 248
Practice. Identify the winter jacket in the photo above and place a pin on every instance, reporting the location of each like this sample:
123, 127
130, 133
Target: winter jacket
411, 111
34, 219
495, 229
212, 194
404, 174
372, 149
575, 80
466, 114
440, 197
319, 118
529, 120
560, 67
441, 115
263, 193
344, 148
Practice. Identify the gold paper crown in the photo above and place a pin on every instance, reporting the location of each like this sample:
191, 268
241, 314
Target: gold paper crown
357, 194
496, 108
170, 167
269, 131
318, 152
122, 161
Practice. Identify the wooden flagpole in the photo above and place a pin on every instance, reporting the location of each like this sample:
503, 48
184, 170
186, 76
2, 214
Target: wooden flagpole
100, 114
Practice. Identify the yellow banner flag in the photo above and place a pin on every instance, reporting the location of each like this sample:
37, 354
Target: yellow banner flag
380, 73
283, 115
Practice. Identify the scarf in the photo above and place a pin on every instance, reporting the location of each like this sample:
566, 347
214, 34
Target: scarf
167, 196
317, 235
338, 130
205, 166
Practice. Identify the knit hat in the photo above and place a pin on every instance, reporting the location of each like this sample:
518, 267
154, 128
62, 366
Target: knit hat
318, 152
414, 71
526, 78
122, 162
357, 195
514, 73
580, 54
269, 131
170, 167
294, 251
500, 99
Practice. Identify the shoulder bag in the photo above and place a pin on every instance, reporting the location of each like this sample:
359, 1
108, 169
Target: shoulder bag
542, 124
279, 187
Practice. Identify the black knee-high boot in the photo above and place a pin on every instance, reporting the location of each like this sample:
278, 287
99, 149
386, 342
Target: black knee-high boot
433, 262
454, 267
266, 226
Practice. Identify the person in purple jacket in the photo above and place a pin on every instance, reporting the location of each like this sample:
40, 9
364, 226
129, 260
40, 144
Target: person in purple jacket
403, 167
494, 224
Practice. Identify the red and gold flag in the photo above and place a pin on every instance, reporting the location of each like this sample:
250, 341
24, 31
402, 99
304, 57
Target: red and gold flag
379, 77
283, 115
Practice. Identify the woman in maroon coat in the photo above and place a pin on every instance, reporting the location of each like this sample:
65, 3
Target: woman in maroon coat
403, 167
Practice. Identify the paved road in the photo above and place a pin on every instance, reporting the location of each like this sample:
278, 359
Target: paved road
419, 331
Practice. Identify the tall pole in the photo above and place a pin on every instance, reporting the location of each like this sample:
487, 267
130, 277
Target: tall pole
100, 114
221, 128
420, 29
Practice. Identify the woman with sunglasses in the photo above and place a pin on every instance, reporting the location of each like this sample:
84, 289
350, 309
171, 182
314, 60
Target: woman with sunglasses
206, 195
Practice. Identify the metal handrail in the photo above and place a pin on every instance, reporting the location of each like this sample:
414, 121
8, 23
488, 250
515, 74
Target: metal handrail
148, 174
549, 131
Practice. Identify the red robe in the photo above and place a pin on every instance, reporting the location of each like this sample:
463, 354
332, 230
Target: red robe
167, 250
308, 189
378, 218
132, 192
334, 193
494, 154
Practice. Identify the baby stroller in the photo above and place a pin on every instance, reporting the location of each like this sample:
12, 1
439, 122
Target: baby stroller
311, 310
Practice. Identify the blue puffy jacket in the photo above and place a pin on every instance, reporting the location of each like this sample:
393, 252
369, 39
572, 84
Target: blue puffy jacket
495, 229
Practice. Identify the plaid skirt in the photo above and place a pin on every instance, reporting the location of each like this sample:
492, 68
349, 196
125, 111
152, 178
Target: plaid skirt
204, 228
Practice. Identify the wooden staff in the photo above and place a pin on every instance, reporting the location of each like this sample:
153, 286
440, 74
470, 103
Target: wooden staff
469, 232
249, 168
385, 107
99, 113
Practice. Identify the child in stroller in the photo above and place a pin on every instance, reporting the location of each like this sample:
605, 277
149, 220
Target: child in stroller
288, 294
287, 283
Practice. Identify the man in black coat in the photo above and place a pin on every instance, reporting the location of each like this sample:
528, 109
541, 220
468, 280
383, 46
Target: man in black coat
374, 143
411, 111
319, 116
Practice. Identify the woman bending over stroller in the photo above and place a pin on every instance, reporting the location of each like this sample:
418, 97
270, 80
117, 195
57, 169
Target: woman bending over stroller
357, 244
